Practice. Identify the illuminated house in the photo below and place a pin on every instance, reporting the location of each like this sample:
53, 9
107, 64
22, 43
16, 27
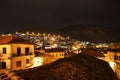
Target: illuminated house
94, 53
113, 57
55, 53
46, 56
39, 58
16, 53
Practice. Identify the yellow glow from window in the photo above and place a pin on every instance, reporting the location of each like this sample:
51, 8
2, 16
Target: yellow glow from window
112, 65
38, 61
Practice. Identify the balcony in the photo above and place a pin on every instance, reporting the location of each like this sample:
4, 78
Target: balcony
22, 54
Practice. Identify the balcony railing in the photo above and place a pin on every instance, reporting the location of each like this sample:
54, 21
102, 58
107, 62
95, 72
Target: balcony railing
15, 54
22, 54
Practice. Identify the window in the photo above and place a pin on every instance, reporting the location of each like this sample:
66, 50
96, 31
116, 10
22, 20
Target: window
4, 51
119, 58
52, 55
26, 50
118, 66
18, 64
56, 55
116, 57
18, 51
3, 65
27, 61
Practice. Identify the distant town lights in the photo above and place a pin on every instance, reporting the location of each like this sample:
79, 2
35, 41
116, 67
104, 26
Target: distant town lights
53, 39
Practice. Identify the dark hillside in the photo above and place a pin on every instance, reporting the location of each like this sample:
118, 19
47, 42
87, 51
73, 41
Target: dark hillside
92, 32
78, 67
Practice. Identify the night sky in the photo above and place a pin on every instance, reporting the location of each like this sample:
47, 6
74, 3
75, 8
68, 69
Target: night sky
50, 15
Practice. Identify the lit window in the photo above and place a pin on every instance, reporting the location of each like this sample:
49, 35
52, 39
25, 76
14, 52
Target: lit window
52, 55
119, 57
118, 67
56, 55
18, 64
4, 51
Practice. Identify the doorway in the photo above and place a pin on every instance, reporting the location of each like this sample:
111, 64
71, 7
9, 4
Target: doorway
3, 65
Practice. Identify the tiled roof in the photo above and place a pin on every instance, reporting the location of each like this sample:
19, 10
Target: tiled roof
115, 50
93, 53
55, 50
13, 39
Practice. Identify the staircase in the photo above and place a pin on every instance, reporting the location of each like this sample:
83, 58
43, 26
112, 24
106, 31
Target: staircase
8, 75
4, 76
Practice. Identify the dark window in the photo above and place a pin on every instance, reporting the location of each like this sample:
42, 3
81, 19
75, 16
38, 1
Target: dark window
18, 64
26, 50
116, 57
3, 65
27, 61
18, 51
4, 51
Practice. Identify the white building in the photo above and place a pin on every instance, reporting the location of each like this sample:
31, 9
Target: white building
16, 53
55, 53
113, 57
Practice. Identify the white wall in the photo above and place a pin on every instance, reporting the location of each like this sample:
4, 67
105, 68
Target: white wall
38, 61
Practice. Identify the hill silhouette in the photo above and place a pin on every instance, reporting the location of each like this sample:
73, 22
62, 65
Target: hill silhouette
91, 32
78, 67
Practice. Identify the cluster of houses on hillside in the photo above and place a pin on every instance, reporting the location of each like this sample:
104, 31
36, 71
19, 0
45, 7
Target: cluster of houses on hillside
17, 53
49, 41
